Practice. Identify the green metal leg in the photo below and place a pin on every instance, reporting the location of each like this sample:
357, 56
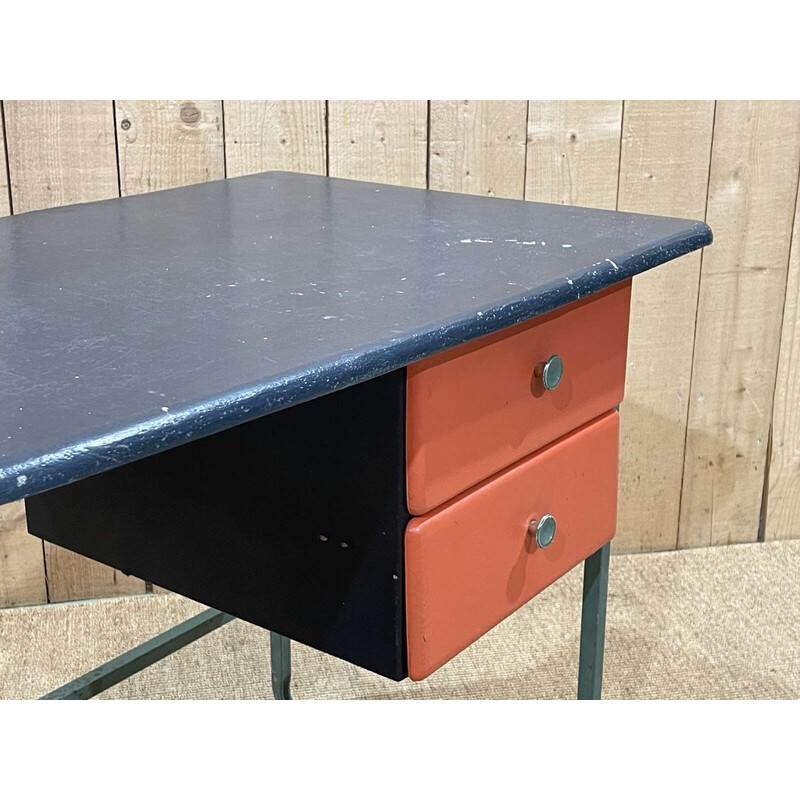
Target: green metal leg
593, 624
281, 660
122, 667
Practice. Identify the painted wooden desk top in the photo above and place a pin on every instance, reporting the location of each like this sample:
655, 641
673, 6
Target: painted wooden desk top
133, 325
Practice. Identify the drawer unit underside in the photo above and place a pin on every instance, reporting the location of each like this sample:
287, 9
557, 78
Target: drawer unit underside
293, 522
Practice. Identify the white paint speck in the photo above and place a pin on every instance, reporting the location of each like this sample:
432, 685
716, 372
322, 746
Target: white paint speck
566, 245
331, 316
165, 408
612, 263
22, 480
466, 241
440, 274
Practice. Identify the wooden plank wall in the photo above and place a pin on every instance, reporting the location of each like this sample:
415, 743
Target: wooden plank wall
666, 148
752, 196
60, 153
711, 418
21, 556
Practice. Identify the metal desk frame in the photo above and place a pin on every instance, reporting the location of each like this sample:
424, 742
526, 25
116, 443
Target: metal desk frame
590, 665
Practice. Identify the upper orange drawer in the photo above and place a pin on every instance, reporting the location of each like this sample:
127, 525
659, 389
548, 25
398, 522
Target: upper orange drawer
477, 408
472, 562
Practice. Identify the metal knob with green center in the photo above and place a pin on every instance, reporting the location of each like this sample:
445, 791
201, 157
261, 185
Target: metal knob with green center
552, 372
543, 529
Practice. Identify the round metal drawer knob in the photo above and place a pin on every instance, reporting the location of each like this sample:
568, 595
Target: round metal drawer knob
552, 372
543, 529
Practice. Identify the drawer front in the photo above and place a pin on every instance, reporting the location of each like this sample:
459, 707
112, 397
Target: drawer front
477, 559
476, 409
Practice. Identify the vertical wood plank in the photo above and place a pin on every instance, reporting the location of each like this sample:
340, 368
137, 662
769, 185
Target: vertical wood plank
573, 152
263, 135
167, 143
783, 504
22, 579
62, 152
666, 149
752, 190
478, 146
21, 556
5, 196
379, 140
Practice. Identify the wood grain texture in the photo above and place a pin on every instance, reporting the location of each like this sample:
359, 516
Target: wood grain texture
73, 577
752, 191
573, 152
666, 148
5, 196
60, 152
379, 140
783, 509
63, 152
263, 135
22, 578
167, 143
478, 146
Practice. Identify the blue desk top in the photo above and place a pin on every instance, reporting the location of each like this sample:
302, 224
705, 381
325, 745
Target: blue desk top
133, 325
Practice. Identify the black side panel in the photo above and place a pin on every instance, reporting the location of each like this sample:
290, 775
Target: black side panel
294, 522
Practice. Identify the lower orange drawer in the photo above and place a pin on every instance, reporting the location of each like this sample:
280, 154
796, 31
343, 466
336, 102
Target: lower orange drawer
472, 562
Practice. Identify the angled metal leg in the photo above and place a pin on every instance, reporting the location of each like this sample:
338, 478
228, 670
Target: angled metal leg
122, 667
593, 624
281, 659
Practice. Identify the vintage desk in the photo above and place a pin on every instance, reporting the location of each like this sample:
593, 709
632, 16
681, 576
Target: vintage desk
373, 419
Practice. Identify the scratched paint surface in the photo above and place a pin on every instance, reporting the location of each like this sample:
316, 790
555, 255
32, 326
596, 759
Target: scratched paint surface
132, 325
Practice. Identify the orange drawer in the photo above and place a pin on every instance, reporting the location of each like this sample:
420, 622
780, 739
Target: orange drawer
475, 409
474, 561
